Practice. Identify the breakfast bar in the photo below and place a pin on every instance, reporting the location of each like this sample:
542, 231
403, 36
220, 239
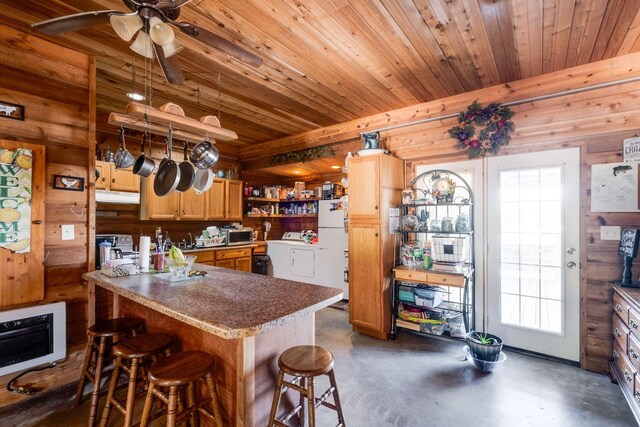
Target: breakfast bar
244, 320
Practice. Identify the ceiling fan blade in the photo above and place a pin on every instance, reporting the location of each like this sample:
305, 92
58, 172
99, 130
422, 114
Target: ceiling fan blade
170, 66
65, 24
220, 44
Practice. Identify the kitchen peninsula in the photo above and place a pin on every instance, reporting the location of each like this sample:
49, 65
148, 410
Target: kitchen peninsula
243, 319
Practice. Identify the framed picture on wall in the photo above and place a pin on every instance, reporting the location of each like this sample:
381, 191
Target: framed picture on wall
66, 182
9, 110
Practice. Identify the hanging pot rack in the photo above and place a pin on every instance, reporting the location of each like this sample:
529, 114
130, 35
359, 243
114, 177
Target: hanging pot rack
157, 121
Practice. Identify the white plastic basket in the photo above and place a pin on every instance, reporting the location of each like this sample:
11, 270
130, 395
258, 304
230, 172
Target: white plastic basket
450, 250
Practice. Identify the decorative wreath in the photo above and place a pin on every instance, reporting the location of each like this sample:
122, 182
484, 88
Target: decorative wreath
495, 132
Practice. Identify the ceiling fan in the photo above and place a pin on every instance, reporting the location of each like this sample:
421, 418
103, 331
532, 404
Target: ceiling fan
150, 19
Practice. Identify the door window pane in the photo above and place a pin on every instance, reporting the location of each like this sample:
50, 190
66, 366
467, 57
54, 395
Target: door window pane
531, 257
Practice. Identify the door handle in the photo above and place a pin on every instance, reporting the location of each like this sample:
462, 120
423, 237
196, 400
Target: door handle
571, 264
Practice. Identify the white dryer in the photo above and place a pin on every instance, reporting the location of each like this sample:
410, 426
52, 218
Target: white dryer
292, 258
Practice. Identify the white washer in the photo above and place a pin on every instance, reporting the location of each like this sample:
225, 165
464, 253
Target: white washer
292, 258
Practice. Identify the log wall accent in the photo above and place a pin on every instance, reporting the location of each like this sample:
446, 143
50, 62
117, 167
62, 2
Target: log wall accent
59, 100
596, 121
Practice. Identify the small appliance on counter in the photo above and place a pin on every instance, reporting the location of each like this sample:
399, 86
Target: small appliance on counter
121, 247
237, 236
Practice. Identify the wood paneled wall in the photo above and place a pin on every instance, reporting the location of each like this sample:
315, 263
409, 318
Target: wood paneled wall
59, 100
596, 120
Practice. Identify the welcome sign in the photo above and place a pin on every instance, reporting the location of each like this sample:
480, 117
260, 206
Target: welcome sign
15, 199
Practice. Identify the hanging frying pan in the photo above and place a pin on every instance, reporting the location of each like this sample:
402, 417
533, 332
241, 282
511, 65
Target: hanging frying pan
187, 173
168, 175
144, 165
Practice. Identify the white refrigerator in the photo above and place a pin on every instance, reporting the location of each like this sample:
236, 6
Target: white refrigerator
332, 252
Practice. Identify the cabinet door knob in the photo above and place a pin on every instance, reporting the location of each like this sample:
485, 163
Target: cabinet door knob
633, 324
617, 332
444, 279
113, 180
627, 376
37, 222
618, 308
633, 353
376, 234
615, 354
376, 206
104, 179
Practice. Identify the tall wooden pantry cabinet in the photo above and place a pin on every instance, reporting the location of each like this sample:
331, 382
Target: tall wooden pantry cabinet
375, 184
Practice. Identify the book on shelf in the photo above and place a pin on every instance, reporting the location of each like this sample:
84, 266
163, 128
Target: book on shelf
407, 325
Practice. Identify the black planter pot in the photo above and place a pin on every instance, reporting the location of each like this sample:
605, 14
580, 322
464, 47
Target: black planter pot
485, 352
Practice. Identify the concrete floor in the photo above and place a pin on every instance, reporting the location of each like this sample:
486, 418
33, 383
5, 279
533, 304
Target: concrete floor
416, 381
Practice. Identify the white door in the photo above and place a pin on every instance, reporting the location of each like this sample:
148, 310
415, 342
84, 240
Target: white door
533, 223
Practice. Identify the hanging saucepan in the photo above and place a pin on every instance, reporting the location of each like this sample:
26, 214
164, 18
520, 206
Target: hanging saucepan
187, 173
203, 180
144, 165
168, 175
204, 155
123, 158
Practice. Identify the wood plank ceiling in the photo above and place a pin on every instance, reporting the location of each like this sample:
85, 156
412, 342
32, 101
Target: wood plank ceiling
330, 61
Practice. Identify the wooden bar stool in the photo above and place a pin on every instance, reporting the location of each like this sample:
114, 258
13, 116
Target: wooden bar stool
101, 335
304, 363
176, 372
137, 352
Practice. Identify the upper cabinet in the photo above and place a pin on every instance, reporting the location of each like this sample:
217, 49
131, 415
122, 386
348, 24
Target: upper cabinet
223, 201
116, 179
364, 182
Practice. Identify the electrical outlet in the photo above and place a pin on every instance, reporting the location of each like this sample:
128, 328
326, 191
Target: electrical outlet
67, 232
610, 232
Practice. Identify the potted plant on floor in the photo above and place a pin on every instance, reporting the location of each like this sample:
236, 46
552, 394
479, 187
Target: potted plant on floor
484, 346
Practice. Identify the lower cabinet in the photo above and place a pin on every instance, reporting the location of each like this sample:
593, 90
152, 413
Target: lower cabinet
625, 364
233, 258
367, 285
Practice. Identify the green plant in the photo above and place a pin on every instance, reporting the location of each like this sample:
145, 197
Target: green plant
302, 156
484, 339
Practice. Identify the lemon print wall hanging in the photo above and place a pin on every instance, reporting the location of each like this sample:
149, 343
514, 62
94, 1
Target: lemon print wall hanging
15, 199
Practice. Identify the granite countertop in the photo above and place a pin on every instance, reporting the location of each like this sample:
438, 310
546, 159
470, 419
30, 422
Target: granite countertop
227, 303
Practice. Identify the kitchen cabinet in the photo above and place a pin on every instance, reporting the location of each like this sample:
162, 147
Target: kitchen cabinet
234, 259
364, 203
625, 363
375, 184
225, 200
193, 205
175, 206
116, 179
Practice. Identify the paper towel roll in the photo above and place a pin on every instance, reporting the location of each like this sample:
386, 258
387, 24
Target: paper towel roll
145, 244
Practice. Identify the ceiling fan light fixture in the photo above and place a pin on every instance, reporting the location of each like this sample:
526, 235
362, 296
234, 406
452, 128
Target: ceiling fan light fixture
160, 32
126, 26
135, 96
142, 45
172, 48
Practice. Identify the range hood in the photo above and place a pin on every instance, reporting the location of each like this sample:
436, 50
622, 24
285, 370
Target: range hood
104, 196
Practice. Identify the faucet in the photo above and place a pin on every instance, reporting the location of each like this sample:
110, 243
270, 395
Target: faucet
190, 241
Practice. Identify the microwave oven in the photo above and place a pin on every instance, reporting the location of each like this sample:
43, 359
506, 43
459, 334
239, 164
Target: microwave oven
238, 236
